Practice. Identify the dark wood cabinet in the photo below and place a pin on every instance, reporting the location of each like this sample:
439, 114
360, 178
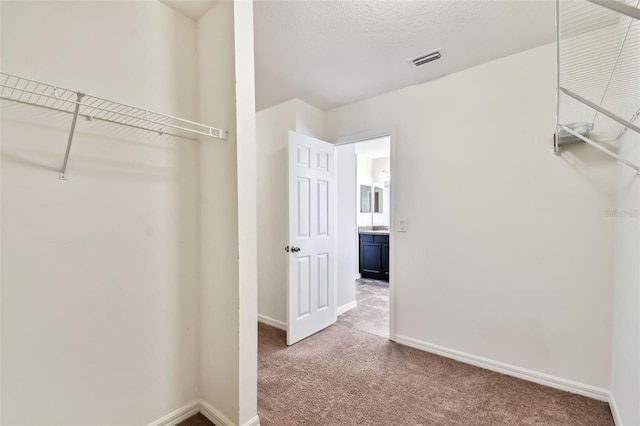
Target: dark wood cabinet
374, 256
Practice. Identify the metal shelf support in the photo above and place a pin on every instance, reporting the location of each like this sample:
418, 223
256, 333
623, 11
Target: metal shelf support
63, 171
625, 123
603, 149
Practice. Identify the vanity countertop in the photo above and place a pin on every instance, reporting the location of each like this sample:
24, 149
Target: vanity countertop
373, 230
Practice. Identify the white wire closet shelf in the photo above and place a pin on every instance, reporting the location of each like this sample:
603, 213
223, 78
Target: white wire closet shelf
31, 92
598, 56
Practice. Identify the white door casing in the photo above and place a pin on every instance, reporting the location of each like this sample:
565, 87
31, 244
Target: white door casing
311, 287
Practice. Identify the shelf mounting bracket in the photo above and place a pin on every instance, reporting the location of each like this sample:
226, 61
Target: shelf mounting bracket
63, 171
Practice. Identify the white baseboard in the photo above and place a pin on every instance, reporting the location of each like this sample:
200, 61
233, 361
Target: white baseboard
272, 322
206, 409
215, 416
178, 415
614, 410
347, 307
253, 422
511, 370
358, 276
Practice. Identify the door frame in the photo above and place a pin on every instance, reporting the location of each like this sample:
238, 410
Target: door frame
362, 137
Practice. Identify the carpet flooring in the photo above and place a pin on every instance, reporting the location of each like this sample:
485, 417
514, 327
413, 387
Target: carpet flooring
372, 313
343, 376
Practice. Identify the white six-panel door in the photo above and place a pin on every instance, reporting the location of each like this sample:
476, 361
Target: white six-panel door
311, 291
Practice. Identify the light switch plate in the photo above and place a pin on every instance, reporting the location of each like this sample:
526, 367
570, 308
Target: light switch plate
402, 226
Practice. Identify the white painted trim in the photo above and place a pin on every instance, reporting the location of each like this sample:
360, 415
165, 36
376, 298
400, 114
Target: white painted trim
511, 370
253, 422
614, 410
272, 322
358, 276
179, 415
200, 406
347, 307
215, 416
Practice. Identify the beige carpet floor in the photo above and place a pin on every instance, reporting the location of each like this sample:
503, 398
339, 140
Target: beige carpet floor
342, 376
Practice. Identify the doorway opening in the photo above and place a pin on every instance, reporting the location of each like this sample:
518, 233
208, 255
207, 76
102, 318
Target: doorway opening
364, 223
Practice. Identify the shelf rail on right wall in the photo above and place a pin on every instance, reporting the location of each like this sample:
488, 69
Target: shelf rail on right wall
598, 73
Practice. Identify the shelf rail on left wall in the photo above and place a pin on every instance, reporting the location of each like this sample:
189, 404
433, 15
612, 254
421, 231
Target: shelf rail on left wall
31, 92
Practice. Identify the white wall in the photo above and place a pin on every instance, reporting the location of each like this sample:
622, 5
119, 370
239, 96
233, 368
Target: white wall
507, 253
100, 315
272, 127
377, 166
625, 355
625, 364
310, 121
347, 241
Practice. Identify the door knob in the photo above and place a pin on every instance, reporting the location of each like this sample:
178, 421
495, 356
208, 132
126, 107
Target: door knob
295, 249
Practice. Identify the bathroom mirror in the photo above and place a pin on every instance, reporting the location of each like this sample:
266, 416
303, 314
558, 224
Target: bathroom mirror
377, 200
365, 199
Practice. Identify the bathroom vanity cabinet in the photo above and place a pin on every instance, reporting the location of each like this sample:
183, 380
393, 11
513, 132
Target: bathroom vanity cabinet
374, 256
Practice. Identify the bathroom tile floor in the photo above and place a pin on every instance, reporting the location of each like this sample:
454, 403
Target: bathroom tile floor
372, 313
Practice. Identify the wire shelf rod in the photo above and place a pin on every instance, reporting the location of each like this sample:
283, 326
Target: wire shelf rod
108, 111
576, 28
90, 118
603, 149
42, 95
623, 75
152, 122
576, 68
598, 108
597, 49
625, 9
585, 82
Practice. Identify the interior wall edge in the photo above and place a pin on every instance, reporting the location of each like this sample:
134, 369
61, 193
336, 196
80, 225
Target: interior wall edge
246, 165
615, 413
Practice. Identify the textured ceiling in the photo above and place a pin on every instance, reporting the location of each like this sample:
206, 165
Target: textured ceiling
330, 53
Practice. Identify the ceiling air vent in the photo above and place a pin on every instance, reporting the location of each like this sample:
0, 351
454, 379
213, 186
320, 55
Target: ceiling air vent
427, 57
